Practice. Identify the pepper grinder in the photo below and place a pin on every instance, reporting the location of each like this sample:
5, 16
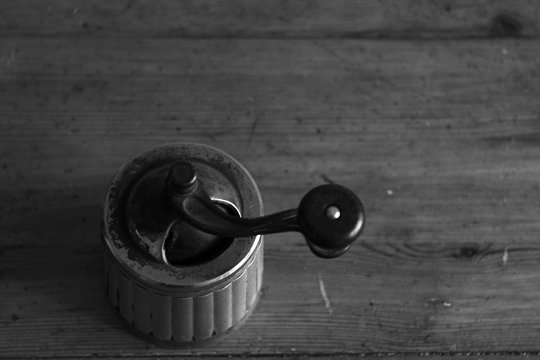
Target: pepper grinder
183, 231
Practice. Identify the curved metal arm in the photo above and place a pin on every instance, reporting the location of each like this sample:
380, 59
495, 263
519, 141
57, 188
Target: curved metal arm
330, 217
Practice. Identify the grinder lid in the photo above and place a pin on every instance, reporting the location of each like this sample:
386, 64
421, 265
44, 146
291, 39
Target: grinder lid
142, 229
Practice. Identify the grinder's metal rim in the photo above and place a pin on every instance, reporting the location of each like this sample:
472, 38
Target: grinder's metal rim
159, 275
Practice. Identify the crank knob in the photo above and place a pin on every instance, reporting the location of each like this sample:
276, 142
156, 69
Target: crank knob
331, 218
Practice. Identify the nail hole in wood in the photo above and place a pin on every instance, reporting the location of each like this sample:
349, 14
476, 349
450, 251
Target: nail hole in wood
467, 251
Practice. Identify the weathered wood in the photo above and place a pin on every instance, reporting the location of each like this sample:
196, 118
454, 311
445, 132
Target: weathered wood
340, 356
272, 18
440, 139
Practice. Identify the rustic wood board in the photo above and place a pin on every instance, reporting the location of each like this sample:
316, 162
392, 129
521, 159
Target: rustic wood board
440, 140
272, 18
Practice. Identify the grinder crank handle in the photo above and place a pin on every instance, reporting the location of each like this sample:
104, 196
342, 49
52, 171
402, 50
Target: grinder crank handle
330, 217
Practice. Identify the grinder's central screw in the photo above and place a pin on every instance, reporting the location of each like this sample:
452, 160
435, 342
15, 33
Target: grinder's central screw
182, 178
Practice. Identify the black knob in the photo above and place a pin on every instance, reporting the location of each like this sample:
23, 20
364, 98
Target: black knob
182, 179
330, 217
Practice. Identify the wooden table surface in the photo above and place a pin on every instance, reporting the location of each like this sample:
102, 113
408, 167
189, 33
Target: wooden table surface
428, 110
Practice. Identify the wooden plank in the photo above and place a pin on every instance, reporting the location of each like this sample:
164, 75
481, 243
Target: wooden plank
271, 18
392, 356
440, 139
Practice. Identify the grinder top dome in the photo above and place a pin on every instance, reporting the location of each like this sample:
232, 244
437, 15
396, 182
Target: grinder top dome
142, 229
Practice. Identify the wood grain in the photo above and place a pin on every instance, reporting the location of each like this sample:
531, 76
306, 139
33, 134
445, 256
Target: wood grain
439, 139
271, 18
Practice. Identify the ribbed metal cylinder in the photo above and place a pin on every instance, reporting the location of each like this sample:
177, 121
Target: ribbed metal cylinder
173, 316
179, 303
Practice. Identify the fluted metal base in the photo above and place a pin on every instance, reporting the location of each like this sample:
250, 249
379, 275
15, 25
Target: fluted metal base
179, 318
